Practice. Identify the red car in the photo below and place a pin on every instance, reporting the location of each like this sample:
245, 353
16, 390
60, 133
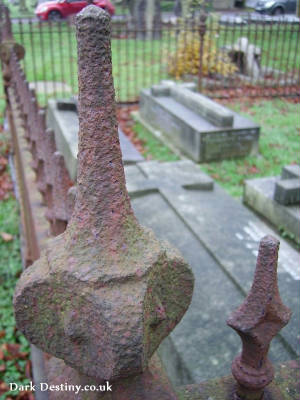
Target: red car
55, 10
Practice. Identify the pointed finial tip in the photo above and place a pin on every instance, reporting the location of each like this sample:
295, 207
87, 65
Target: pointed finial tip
94, 13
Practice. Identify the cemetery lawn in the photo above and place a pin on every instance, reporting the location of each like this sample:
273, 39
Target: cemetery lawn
279, 144
152, 147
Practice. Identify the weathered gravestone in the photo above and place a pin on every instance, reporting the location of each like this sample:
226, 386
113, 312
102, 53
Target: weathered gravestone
247, 56
277, 199
198, 126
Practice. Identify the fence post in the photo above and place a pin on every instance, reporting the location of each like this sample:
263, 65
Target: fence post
202, 31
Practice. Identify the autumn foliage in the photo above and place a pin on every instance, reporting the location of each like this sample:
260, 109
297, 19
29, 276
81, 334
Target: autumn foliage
186, 59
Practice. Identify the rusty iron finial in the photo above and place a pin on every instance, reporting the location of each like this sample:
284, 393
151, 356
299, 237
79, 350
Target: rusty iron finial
257, 321
106, 292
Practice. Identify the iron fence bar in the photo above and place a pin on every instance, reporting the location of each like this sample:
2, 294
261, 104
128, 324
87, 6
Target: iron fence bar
280, 75
161, 41
33, 53
150, 32
135, 63
268, 57
118, 69
295, 58
224, 44
43, 61
52, 58
287, 60
255, 82
62, 78
275, 56
263, 30
21, 33
70, 49
143, 33
127, 62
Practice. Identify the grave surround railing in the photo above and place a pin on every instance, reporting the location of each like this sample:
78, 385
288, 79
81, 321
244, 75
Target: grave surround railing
50, 61
260, 317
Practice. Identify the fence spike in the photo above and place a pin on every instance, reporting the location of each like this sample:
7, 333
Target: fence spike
257, 321
99, 290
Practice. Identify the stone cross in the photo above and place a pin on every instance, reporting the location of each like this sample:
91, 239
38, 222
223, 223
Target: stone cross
257, 321
106, 292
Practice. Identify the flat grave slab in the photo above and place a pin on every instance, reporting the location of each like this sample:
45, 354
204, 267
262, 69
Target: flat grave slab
64, 122
262, 195
199, 127
219, 237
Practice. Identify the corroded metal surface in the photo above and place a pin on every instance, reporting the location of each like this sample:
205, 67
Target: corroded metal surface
106, 292
257, 321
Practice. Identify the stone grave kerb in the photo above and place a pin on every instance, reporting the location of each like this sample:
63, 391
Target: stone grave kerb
287, 189
106, 292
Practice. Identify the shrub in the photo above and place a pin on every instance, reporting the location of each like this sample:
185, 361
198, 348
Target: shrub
186, 59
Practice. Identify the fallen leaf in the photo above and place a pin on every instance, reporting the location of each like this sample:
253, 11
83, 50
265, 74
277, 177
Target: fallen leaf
28, 369
7, 237
3, 388
2, 334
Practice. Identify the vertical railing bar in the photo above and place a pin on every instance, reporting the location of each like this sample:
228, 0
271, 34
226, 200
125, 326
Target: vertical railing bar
160, 41
21, 33
118, 70
275, 55
61, 58
32, 45
262, 31
253, 82
279, 80
127, 62
295, 58
268, 55
43, 60
135, 64
70, 47
287, 61
51, 34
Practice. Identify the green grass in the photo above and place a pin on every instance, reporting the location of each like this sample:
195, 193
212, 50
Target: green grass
279, 144
154, 149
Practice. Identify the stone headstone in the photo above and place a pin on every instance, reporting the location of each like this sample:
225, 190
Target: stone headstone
247, 57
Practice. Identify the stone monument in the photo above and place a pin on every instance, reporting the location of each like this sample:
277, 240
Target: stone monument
196, 125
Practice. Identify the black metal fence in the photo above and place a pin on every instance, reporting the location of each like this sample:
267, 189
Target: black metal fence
228, 57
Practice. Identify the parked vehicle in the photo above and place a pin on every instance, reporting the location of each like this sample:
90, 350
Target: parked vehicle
273, 7
58, 9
